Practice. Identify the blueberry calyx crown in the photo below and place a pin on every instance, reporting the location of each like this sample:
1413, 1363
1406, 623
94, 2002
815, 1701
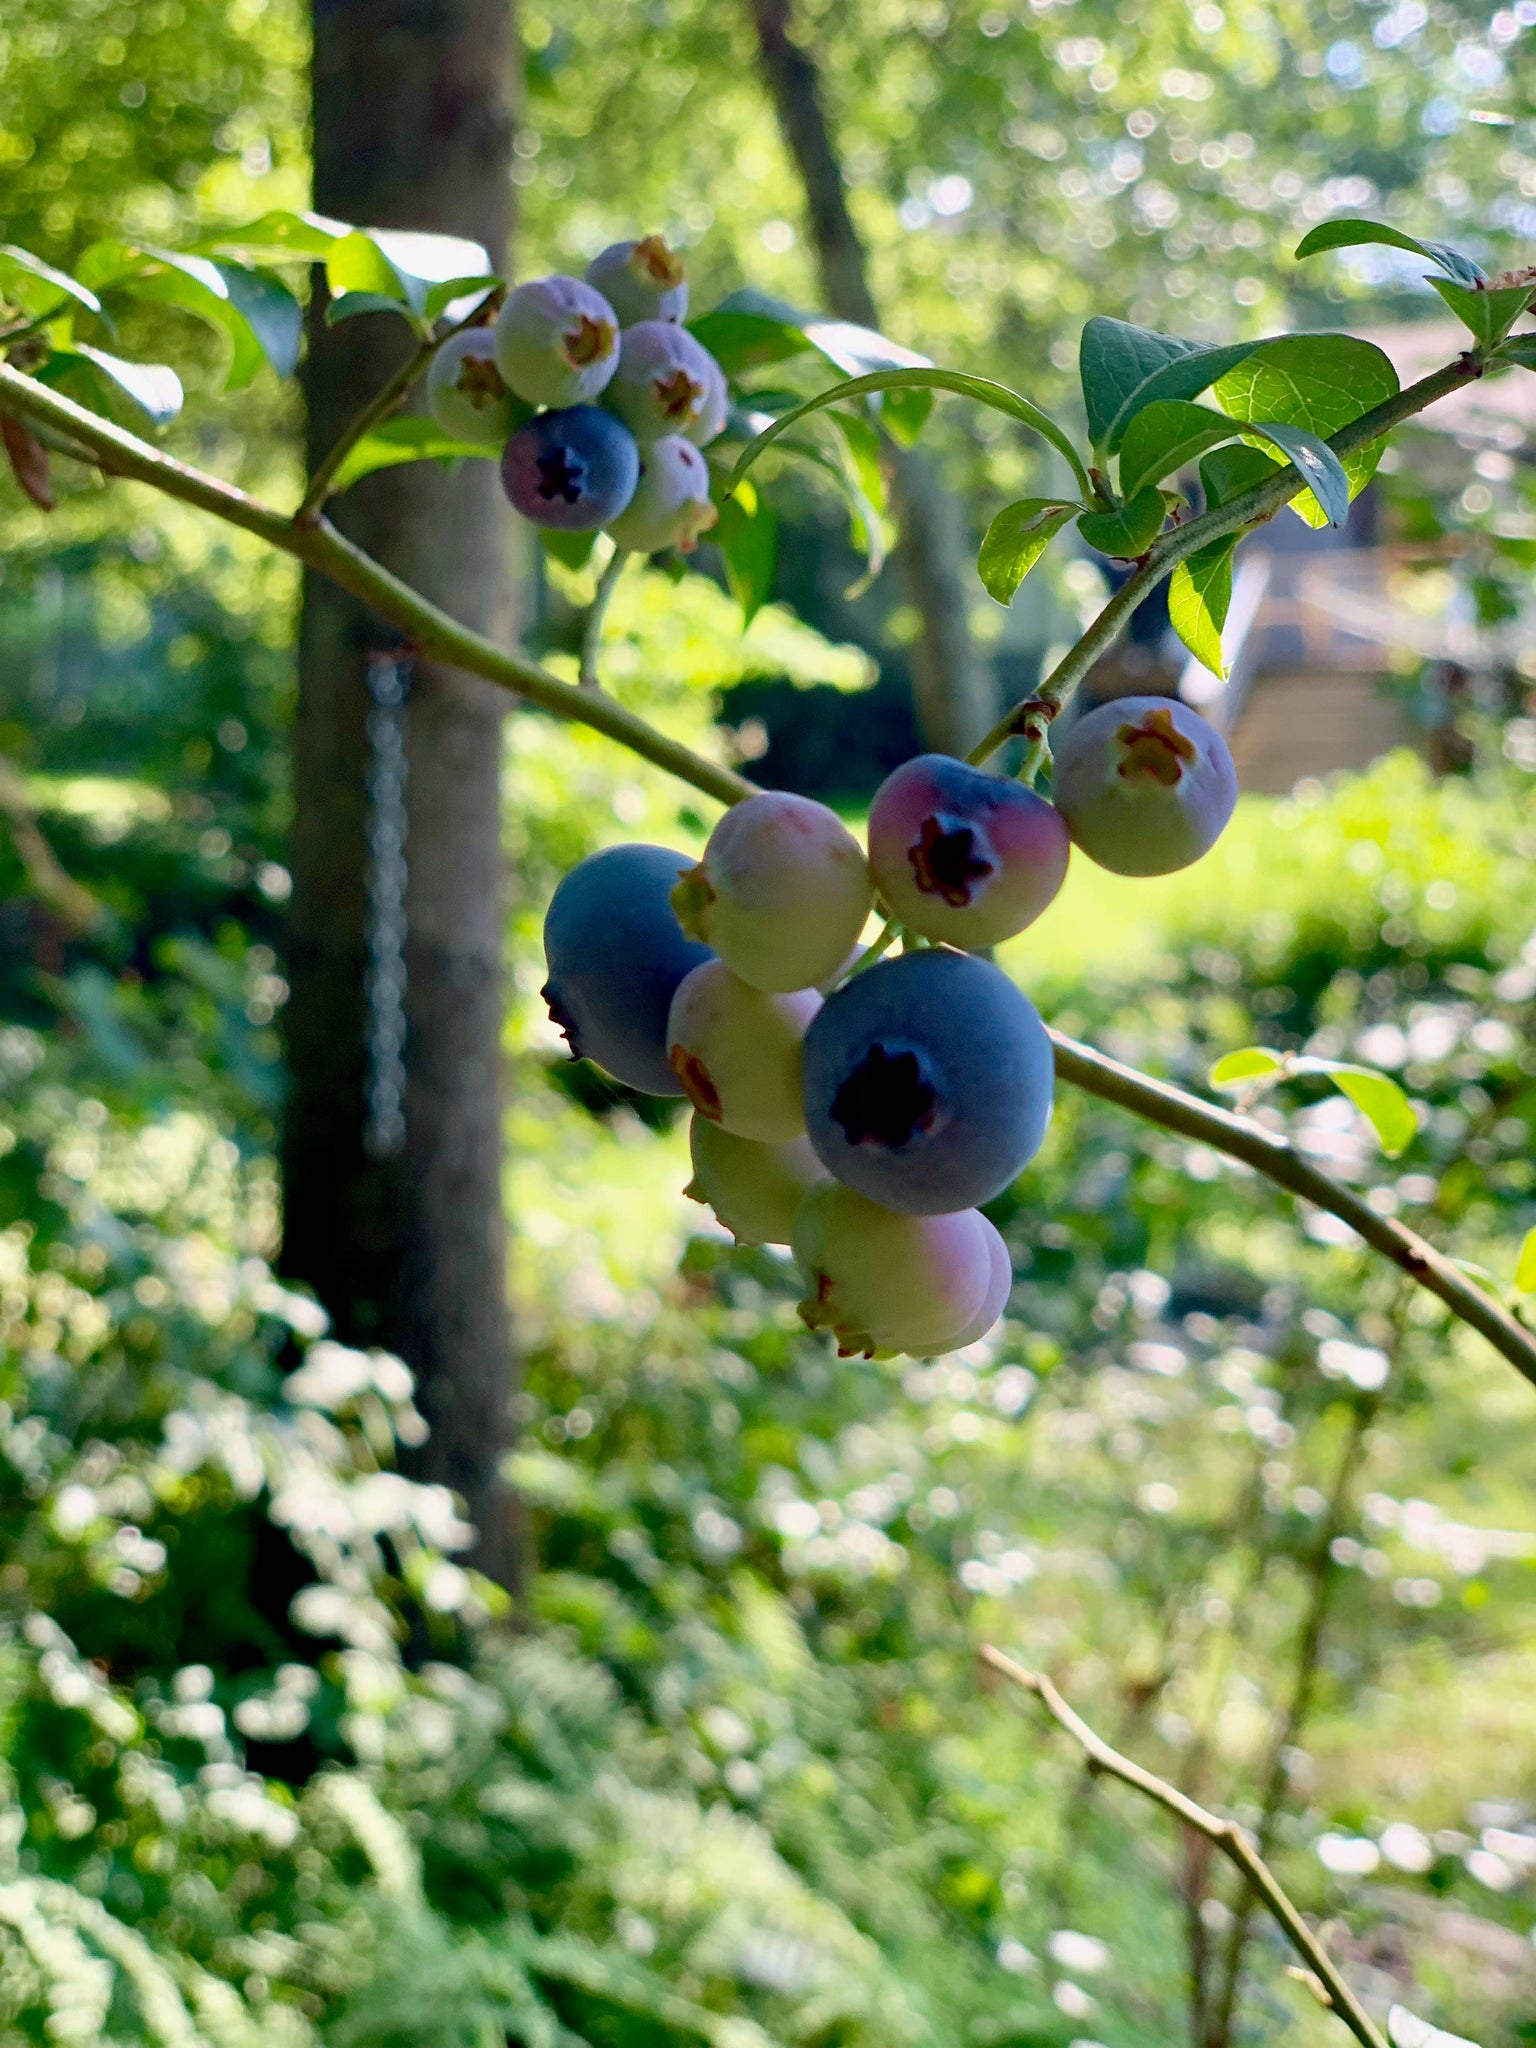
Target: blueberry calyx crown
1154, 747
663, 265
887, 1100
588, 341
691, 896
562, 1019
678, 395
562, 474
819, 1311
696, 1082
946, 861
480, 382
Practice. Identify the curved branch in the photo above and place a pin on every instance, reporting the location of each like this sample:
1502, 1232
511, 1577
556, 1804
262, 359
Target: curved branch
1224, 1835
1030, 717
1272, 1155
321, 547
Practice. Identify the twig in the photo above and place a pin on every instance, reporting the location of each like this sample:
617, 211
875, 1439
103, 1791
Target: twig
379, 408
1252, 506
1224, 1835
592, 631
1271, 1154
1323, 1576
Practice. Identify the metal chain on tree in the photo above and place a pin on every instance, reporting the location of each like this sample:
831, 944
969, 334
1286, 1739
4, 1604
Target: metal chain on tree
389, 683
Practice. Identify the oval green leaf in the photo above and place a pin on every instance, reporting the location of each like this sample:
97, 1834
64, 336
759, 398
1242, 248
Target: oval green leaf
1015, 541
1241, 1069
1381, 1102
1525, 1265
35, 286
1129, 532
1351, 234
1318, 382
1199, 594
1488, 314
397, 441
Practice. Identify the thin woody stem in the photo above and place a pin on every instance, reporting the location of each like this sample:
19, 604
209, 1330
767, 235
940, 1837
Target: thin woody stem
1271, 1154
1165, 553
1223, 1835
597, 610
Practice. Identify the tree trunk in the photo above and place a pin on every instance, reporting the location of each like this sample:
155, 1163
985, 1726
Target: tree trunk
952, 685
407, 1250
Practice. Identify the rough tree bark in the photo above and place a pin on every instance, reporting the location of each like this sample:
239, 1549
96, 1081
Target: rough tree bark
412, 128
952, 685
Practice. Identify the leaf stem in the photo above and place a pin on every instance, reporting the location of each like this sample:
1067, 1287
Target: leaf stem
319, 546
1261, 502
1224, 1835
592, 631
1271, 1155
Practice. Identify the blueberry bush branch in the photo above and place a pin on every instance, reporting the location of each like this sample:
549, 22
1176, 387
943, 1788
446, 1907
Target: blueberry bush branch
597, 612
1223, 1835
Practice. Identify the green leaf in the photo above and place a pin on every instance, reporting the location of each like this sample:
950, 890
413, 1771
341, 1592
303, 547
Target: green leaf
1350, 234
1252, 1063
1227, 472
1015, 541
862, 440
407, 440
1521, 350
256, 313
392, 268
93, 378
982, 389
747, 536
356, 263
1114, 360
1168, 433
1199, 592
351, 305
1489, 314
905, 414
1525, 1265
573, 550
1377, 1097
26, 281
279, 237
1319, 382
1130, 531
457, 296
748, 329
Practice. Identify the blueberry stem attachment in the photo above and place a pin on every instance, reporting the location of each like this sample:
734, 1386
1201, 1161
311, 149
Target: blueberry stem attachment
318, 544
1248, 509
1271, 1154
592, 631
379, 408
1224, 1835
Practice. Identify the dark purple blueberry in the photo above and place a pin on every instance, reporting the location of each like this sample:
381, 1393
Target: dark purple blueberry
616, 954
574, 470
928, 1082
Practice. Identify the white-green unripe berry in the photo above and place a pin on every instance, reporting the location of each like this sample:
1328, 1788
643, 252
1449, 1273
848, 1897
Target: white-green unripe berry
642, 280
995, 1300
557, 342
671, 506
754, 1189
781, 893
736, 1052
667, 383
466, 393
880, 1282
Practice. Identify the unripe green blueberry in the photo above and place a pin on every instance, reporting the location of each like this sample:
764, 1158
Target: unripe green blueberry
754, 1189
999, 1287
883, 1282
557, 341
671, 506
667, 383
466, 393
961, 856
643, 280
781, 893
736, 1052
1145, 785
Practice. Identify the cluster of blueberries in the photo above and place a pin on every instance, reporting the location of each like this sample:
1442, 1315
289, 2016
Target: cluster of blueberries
860, 1110
630, 465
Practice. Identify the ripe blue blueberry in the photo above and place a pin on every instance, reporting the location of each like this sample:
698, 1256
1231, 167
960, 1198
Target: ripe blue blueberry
882, 1282
781, 893
736, 1052
557, 341
961, 856
1145, 785
616, 954
928, 1082
667, 383
754, 1189
466, 394
642, 280
575, 470
671, 506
